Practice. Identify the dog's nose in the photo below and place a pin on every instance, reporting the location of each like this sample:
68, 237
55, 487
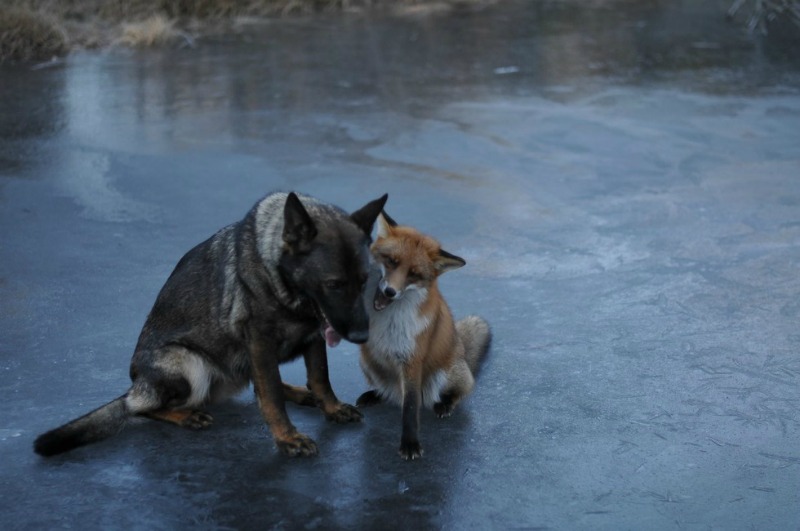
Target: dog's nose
389, 291
358, 336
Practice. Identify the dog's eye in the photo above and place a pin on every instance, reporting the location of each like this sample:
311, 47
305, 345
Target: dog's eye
335, 284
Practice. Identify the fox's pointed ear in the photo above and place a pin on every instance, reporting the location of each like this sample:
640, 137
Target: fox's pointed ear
446, 262
365, 216
388, 218
298, 227
385, 223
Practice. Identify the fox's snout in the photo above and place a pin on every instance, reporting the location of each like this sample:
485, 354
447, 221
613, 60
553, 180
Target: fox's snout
385, 295
389, 291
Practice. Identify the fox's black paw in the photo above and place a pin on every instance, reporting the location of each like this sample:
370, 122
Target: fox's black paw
410, 450
370, 398
443, 409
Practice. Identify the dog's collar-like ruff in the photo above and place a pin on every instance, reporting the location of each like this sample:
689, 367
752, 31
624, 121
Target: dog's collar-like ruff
269, 243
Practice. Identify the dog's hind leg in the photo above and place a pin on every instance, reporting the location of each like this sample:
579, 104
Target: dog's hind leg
299, 395
185, 418
170, 389
166, 400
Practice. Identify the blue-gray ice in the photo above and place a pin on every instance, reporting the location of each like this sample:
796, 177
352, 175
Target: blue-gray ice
623, 180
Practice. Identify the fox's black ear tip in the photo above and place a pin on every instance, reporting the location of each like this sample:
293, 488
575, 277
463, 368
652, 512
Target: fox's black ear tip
451, 256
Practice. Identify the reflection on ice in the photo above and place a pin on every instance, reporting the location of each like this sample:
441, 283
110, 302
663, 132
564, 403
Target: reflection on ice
88, 179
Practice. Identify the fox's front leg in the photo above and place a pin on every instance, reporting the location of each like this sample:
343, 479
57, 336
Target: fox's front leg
412, 400
316, 359
269, 391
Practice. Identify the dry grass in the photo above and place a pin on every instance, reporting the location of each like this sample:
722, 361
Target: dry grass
25, 35
155, 30
100, 23
39, 29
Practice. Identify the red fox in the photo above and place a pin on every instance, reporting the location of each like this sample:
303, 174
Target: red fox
416, 355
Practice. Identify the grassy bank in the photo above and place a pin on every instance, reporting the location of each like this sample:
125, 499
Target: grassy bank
35, 30
41, 29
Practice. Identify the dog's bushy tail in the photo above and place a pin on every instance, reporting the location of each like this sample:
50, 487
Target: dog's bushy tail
97, 425
476, 335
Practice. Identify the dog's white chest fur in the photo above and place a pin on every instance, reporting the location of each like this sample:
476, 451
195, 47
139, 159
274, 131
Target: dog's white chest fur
393, 331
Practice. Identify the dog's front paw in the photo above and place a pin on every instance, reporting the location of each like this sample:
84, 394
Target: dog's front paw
344, 413
297, 445
410, 450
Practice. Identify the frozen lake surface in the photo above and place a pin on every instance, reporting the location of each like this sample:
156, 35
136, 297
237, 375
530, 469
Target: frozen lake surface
623, 181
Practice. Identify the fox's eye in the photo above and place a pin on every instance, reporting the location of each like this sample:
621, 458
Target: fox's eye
413, 276
391, 261
335, 284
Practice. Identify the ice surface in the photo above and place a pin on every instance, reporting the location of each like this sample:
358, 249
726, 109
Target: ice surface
628, 204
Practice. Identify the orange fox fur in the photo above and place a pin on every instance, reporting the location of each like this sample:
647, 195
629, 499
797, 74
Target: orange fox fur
416, 355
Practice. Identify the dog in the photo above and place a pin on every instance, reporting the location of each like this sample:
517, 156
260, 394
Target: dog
279, 284
416, 355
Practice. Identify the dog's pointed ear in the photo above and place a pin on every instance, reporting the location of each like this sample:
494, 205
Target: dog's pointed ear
366, 215
298, 227
446, 262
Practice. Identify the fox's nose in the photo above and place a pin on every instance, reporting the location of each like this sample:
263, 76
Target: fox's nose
389, 291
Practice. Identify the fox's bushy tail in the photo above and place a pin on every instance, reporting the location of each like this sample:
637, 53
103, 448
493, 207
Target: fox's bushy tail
97, 425
476, 335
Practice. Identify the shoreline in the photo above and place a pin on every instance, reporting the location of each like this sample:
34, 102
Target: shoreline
41, 30
37, 30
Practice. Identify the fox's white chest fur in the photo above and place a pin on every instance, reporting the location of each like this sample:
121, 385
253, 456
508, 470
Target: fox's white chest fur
393, 332
392, 342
